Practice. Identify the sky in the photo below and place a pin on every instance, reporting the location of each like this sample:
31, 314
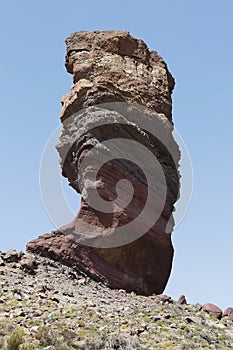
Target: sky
195, 39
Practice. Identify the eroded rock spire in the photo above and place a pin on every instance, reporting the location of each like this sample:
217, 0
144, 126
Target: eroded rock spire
117, 150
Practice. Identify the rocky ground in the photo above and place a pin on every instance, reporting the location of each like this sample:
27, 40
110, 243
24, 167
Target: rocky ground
46, 305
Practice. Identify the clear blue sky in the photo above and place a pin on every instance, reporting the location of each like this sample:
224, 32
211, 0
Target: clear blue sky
195, 39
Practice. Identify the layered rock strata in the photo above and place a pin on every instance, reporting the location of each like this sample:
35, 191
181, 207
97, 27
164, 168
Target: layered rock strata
117, 150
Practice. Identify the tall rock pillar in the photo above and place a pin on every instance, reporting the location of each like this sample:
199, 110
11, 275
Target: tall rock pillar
117, 150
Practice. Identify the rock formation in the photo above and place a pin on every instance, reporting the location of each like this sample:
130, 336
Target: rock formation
117, 150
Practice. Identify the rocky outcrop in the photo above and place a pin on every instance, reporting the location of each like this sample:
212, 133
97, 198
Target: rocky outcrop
117, 150
113, 66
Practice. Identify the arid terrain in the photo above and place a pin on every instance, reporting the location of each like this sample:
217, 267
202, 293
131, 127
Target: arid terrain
46, 305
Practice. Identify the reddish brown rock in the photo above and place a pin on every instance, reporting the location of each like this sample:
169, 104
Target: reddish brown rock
120, 99
228, 313
182, 300
213, 310
164, 298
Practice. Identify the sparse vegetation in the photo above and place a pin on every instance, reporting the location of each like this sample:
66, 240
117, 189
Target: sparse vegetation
37, 316
15, 339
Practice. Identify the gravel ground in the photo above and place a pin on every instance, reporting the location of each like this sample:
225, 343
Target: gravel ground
46, 305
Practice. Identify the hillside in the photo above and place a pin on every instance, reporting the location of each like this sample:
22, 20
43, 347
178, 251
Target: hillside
46, 305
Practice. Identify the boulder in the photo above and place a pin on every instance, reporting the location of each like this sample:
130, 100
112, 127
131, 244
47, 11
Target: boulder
228, 313
164, 298
182, 300
12, 256
28, 263
213, 310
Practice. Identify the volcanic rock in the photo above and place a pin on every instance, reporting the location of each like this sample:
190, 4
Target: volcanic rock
213, 310
182, 300
164, 298
228, 313
118, 151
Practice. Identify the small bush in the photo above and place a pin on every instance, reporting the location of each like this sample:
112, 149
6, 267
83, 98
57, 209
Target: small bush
15, 339
1, 342
46, 336
61, 340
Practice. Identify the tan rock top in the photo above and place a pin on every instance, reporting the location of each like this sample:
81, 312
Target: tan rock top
114, 66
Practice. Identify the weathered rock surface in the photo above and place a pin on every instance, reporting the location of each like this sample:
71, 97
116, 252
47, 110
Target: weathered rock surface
113, 66
182, 300
121, 91
212, 309
228, 313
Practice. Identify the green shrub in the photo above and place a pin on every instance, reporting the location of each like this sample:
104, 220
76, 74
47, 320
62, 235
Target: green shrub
15, 339
46, 336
